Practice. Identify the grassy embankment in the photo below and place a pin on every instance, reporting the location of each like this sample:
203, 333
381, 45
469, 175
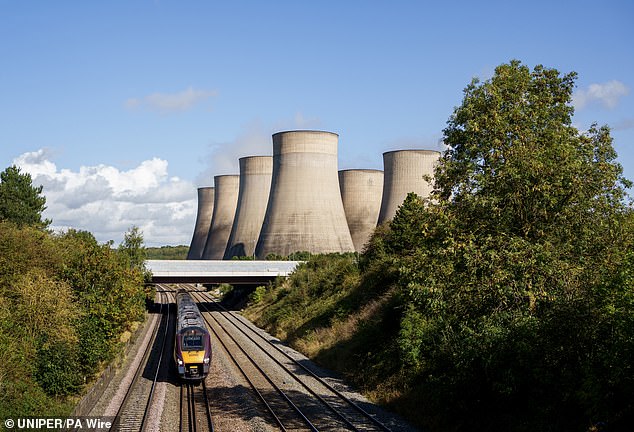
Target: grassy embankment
344, 319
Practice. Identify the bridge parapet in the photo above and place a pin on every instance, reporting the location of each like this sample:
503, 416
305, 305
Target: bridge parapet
233, 272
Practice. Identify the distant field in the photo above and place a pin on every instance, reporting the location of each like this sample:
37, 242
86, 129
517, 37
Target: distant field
167, 252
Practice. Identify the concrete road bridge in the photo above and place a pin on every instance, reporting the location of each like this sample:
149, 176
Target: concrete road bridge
216, 271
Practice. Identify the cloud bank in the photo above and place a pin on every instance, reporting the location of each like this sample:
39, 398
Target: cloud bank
107, 202
607, 94
174, 102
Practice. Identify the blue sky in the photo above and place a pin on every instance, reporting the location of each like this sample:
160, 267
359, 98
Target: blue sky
122, 108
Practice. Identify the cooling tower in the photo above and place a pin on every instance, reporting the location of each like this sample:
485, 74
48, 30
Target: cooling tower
225, 203
361, 191
203, 222
403, 173
305, 211
255, 184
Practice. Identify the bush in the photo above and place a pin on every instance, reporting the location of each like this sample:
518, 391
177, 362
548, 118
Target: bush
257, 295
57, 366
225, 290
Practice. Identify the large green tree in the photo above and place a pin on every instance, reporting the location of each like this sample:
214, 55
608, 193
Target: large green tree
20, 201
516, 164
520, 297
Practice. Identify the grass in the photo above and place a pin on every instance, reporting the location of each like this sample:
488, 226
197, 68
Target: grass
330, 313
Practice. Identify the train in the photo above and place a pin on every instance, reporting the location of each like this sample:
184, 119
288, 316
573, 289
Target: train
192, 347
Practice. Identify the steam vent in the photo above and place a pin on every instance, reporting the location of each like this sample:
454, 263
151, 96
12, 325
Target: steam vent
225, 202
255, 184
203, 222
404, 170
305, 211
361, 192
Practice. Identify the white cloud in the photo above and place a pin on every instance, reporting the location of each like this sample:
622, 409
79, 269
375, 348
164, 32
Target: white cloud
106, 201
171, 102
607, 94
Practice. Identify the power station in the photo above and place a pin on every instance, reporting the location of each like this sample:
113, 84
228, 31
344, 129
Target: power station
225, 202
403, 173
203, 222
253, 196
304, 211
361, 191
298, 201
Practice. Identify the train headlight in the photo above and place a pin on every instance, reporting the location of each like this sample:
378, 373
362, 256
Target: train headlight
180, 362
206, 360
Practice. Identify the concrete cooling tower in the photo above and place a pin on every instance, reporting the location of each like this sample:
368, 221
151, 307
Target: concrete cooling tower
403, 173
226, 199
361, 191
203, 222
255, 184
305, 211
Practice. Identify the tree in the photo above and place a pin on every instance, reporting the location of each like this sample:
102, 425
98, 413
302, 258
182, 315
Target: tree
21, 202
516, 283
107, 289
407, 223
133, 247
516, 164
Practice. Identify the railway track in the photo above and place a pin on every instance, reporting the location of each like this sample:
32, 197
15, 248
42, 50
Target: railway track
133, 411
295, 397
194, 398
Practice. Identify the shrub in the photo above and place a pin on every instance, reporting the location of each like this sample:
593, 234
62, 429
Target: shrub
57, 366
257, 295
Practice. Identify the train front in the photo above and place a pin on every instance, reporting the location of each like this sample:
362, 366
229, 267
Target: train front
193, 353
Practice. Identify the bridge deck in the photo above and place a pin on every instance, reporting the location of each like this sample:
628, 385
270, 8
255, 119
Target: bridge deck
211, 271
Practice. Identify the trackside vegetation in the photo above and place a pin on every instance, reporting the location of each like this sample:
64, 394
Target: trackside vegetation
66, 302
505, 302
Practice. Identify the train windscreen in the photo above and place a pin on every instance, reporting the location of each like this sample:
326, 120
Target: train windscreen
192, 342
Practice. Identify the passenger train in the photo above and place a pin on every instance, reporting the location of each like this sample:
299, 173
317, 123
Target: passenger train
192, 347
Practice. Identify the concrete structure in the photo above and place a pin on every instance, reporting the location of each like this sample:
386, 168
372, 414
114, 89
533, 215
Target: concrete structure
255, 184
403, 173
232, 272
203, 222
361, 192
225, 202
305, 211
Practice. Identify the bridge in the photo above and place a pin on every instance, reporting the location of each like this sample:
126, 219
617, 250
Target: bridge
214, 272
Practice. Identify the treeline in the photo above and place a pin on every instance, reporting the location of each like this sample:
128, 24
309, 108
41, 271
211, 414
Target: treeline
66, 303
503, 302
167, 252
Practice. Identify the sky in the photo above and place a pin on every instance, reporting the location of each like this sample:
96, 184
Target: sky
122, 109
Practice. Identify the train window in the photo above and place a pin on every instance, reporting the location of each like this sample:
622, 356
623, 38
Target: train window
192, 342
